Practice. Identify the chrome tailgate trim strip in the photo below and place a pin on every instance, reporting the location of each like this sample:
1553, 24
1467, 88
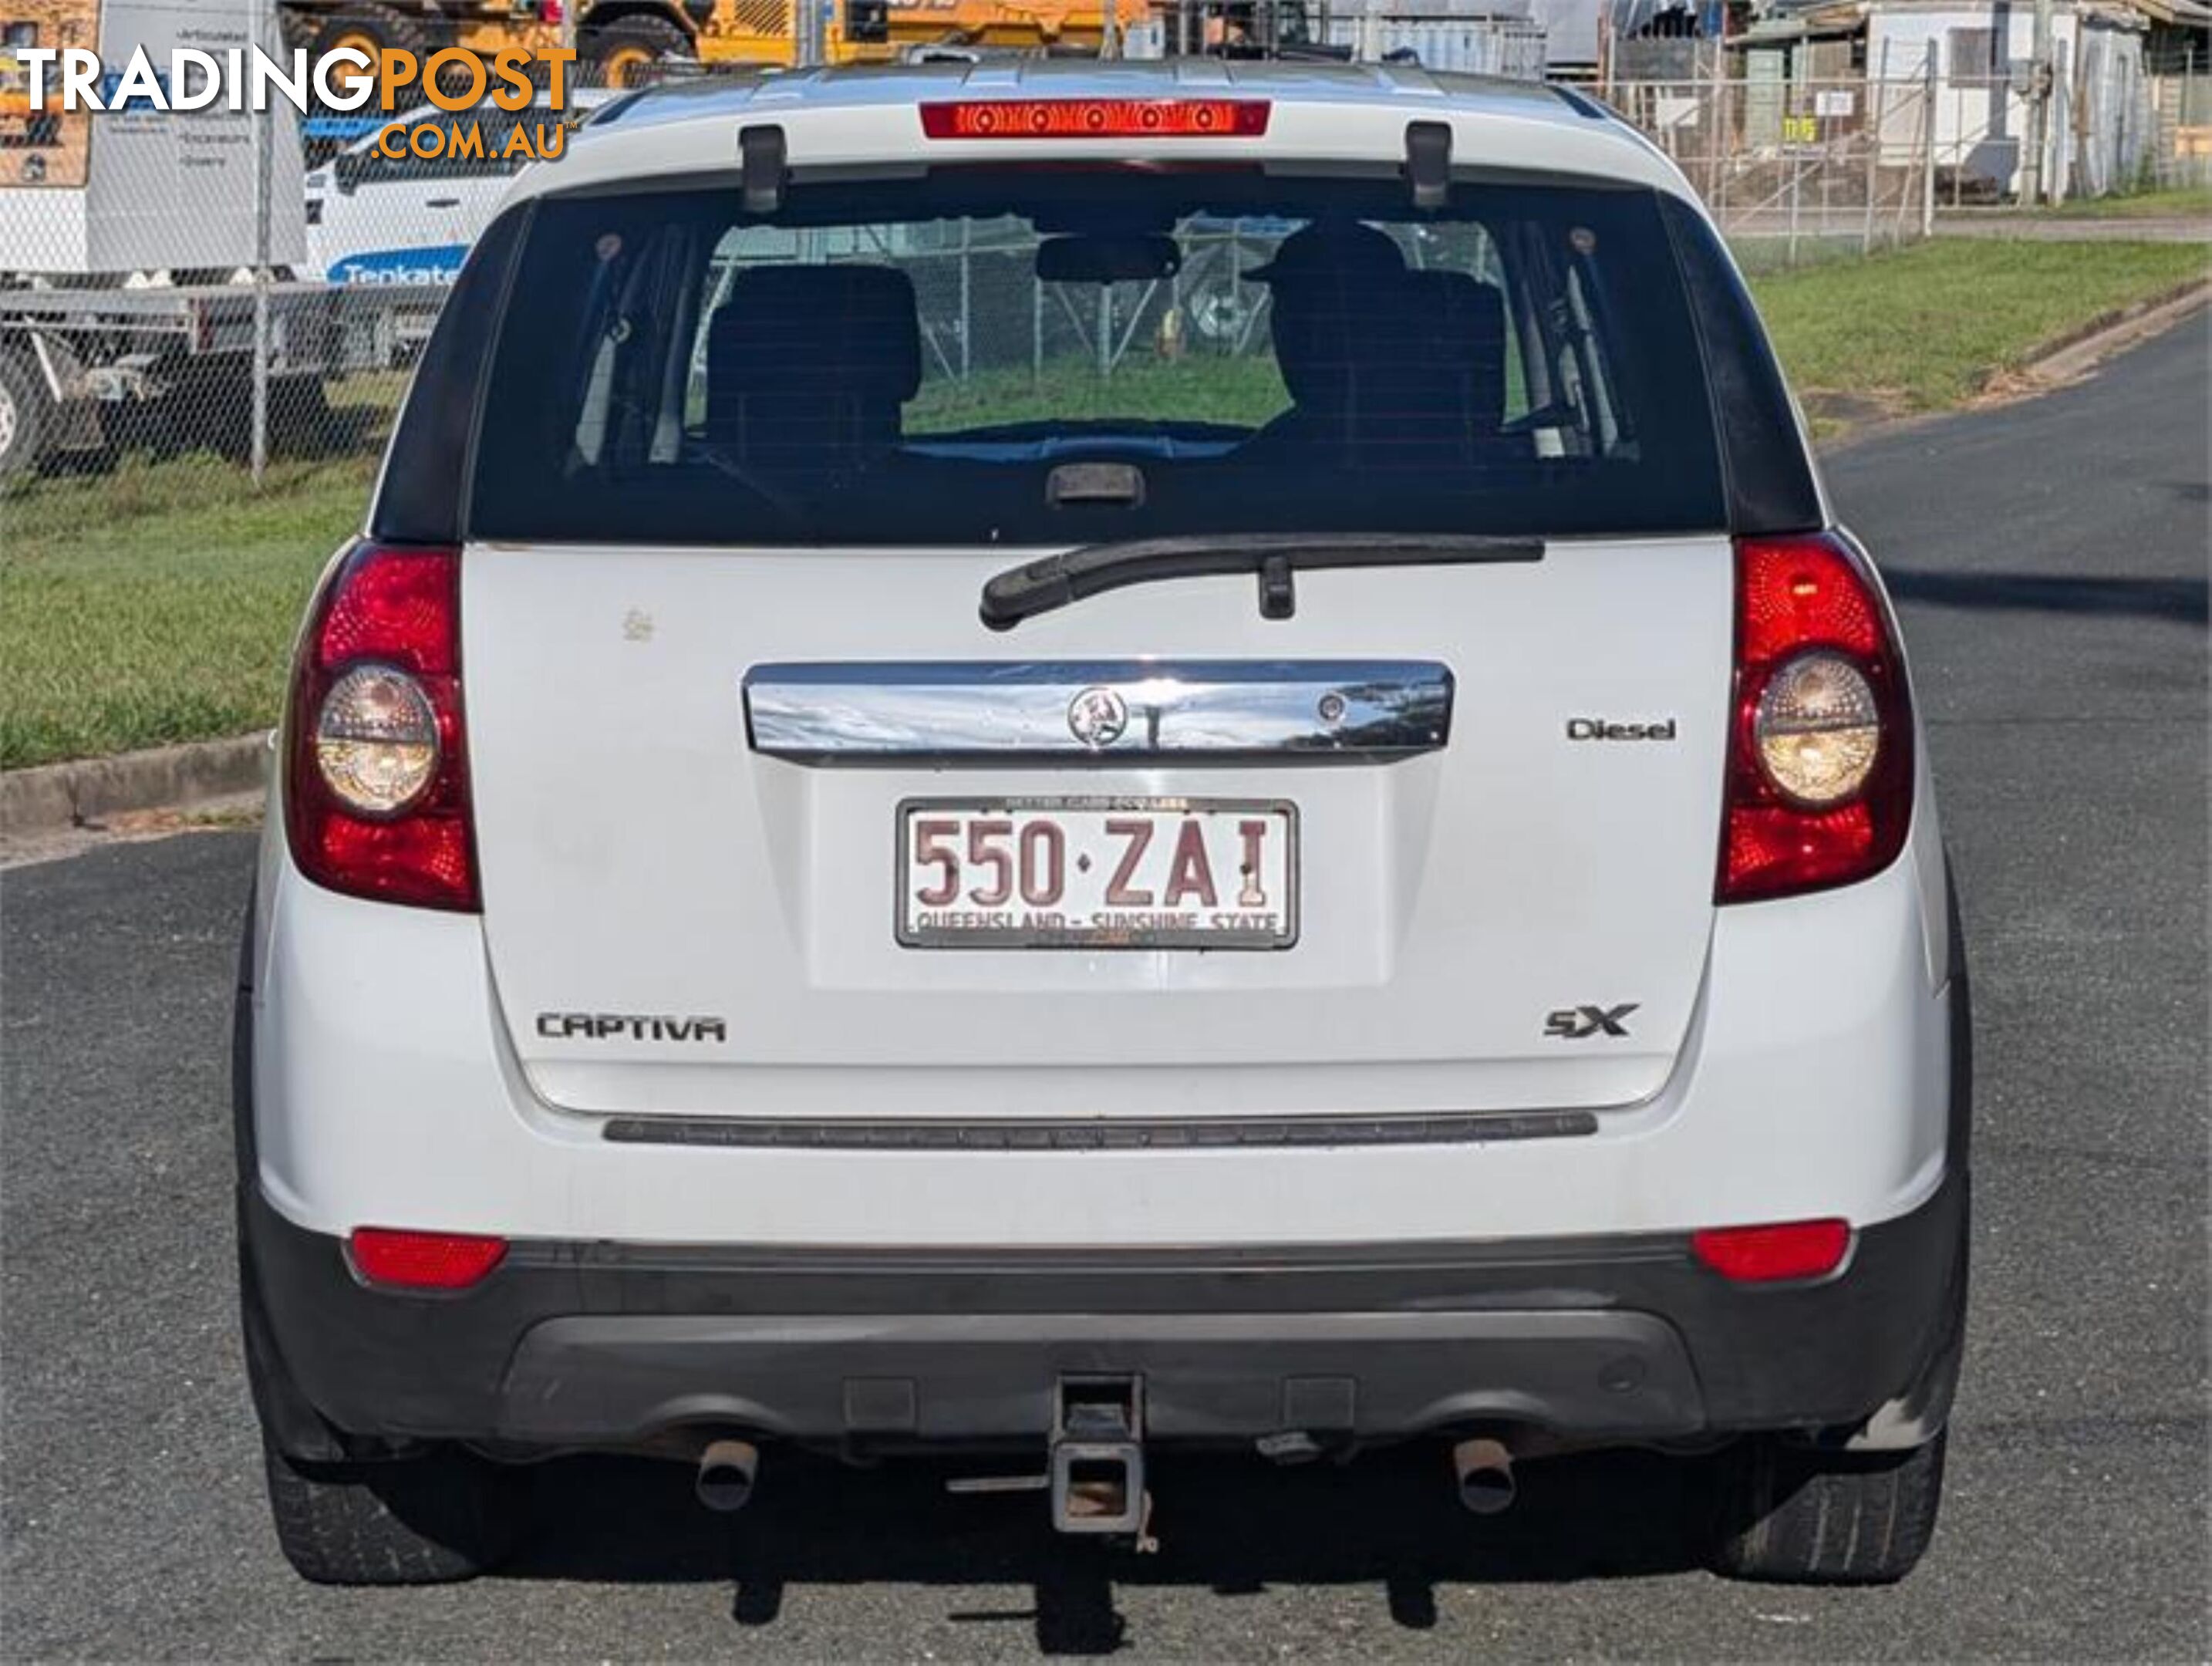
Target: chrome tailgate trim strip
1280, 710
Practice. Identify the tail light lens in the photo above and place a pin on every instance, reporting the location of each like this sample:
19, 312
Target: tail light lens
376, 795
1819, 786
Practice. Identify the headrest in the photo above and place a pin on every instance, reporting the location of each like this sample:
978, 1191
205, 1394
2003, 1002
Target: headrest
1417, 344
795, 330
1461, 314
1459, 321
1331, 252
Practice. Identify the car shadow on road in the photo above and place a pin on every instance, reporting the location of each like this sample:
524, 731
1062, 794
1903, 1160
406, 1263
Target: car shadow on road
2182, 600
1232, 1525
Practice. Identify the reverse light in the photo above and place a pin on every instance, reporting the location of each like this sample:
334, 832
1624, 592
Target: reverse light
1818, 729
423, 1261
376, 741
1761, 1254
376, 789
1819, 784
1096, 118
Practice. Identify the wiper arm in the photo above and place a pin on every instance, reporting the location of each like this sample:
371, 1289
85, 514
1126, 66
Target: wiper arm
1040, 586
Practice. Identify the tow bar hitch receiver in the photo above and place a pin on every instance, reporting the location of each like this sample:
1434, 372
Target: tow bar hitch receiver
1098, 1455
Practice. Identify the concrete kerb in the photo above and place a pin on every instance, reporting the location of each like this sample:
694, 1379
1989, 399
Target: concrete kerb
84, 792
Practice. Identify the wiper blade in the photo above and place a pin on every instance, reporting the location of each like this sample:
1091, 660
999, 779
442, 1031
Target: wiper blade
1040, 586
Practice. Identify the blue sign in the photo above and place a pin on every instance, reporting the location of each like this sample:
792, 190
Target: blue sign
399, 266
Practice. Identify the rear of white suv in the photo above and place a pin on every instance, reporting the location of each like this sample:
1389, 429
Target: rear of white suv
1052, 762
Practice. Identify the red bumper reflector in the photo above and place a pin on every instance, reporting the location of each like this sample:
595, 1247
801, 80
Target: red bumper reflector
423, 1261
1096, 118
1753, 1255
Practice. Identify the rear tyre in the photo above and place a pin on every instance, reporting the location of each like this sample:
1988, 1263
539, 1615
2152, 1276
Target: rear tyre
416, 1521
25, 409
614, 54
1796, 1515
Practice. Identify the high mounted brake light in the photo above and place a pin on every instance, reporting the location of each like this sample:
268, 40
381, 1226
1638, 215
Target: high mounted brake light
376, 779
1096, 118
1819, 784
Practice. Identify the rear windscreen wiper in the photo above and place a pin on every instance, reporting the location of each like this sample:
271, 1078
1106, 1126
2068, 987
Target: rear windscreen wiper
1039, 586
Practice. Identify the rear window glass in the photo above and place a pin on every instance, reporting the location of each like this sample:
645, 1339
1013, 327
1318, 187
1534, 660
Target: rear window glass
1049, 357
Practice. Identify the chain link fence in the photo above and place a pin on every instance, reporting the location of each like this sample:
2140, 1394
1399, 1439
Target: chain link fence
190, 299
2181, 114
1799, 170
187, 297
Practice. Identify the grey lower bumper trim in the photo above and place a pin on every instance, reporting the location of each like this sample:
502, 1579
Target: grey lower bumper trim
1467, 1129
1207, 1377
586, 1343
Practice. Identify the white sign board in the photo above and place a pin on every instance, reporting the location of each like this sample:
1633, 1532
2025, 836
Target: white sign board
140, 189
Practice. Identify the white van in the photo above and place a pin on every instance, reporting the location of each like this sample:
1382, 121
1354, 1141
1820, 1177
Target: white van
375, 219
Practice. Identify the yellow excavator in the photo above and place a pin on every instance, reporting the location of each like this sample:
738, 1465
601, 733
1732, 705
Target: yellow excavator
622, 42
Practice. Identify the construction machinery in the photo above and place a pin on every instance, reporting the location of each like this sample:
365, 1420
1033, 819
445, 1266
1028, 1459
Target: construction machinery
622, 42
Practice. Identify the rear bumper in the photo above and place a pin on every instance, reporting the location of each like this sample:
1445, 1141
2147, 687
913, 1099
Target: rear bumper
605, 1345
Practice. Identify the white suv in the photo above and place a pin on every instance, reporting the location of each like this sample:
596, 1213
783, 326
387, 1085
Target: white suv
1053, 760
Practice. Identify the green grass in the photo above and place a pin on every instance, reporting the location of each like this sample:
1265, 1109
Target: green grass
157, 604
2170, 202
1927, 327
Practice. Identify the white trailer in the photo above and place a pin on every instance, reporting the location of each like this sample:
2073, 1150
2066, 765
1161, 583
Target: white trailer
147, 256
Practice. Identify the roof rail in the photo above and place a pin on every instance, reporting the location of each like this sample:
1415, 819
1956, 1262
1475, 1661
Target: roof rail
613, 109
1582, 104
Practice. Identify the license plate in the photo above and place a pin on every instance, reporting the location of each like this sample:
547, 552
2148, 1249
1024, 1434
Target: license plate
1098, 873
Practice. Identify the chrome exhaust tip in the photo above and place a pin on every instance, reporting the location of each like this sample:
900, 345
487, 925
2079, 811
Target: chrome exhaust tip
1483, 1468
728, 1470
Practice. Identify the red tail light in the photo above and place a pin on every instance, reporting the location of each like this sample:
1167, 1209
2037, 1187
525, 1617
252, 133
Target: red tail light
376, 780
423, 1261
1096, 118
1820, 780
1758, 1255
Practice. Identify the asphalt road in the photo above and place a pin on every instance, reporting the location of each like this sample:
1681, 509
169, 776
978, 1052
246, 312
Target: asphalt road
2051, 561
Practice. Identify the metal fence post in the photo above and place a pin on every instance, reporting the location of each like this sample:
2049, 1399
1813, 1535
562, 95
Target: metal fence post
1797, 175
1870, 124
1712, 121
967, 310
264, 126
1928, 134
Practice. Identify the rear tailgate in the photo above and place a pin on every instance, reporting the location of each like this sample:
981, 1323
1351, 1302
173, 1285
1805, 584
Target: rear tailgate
1463, 914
